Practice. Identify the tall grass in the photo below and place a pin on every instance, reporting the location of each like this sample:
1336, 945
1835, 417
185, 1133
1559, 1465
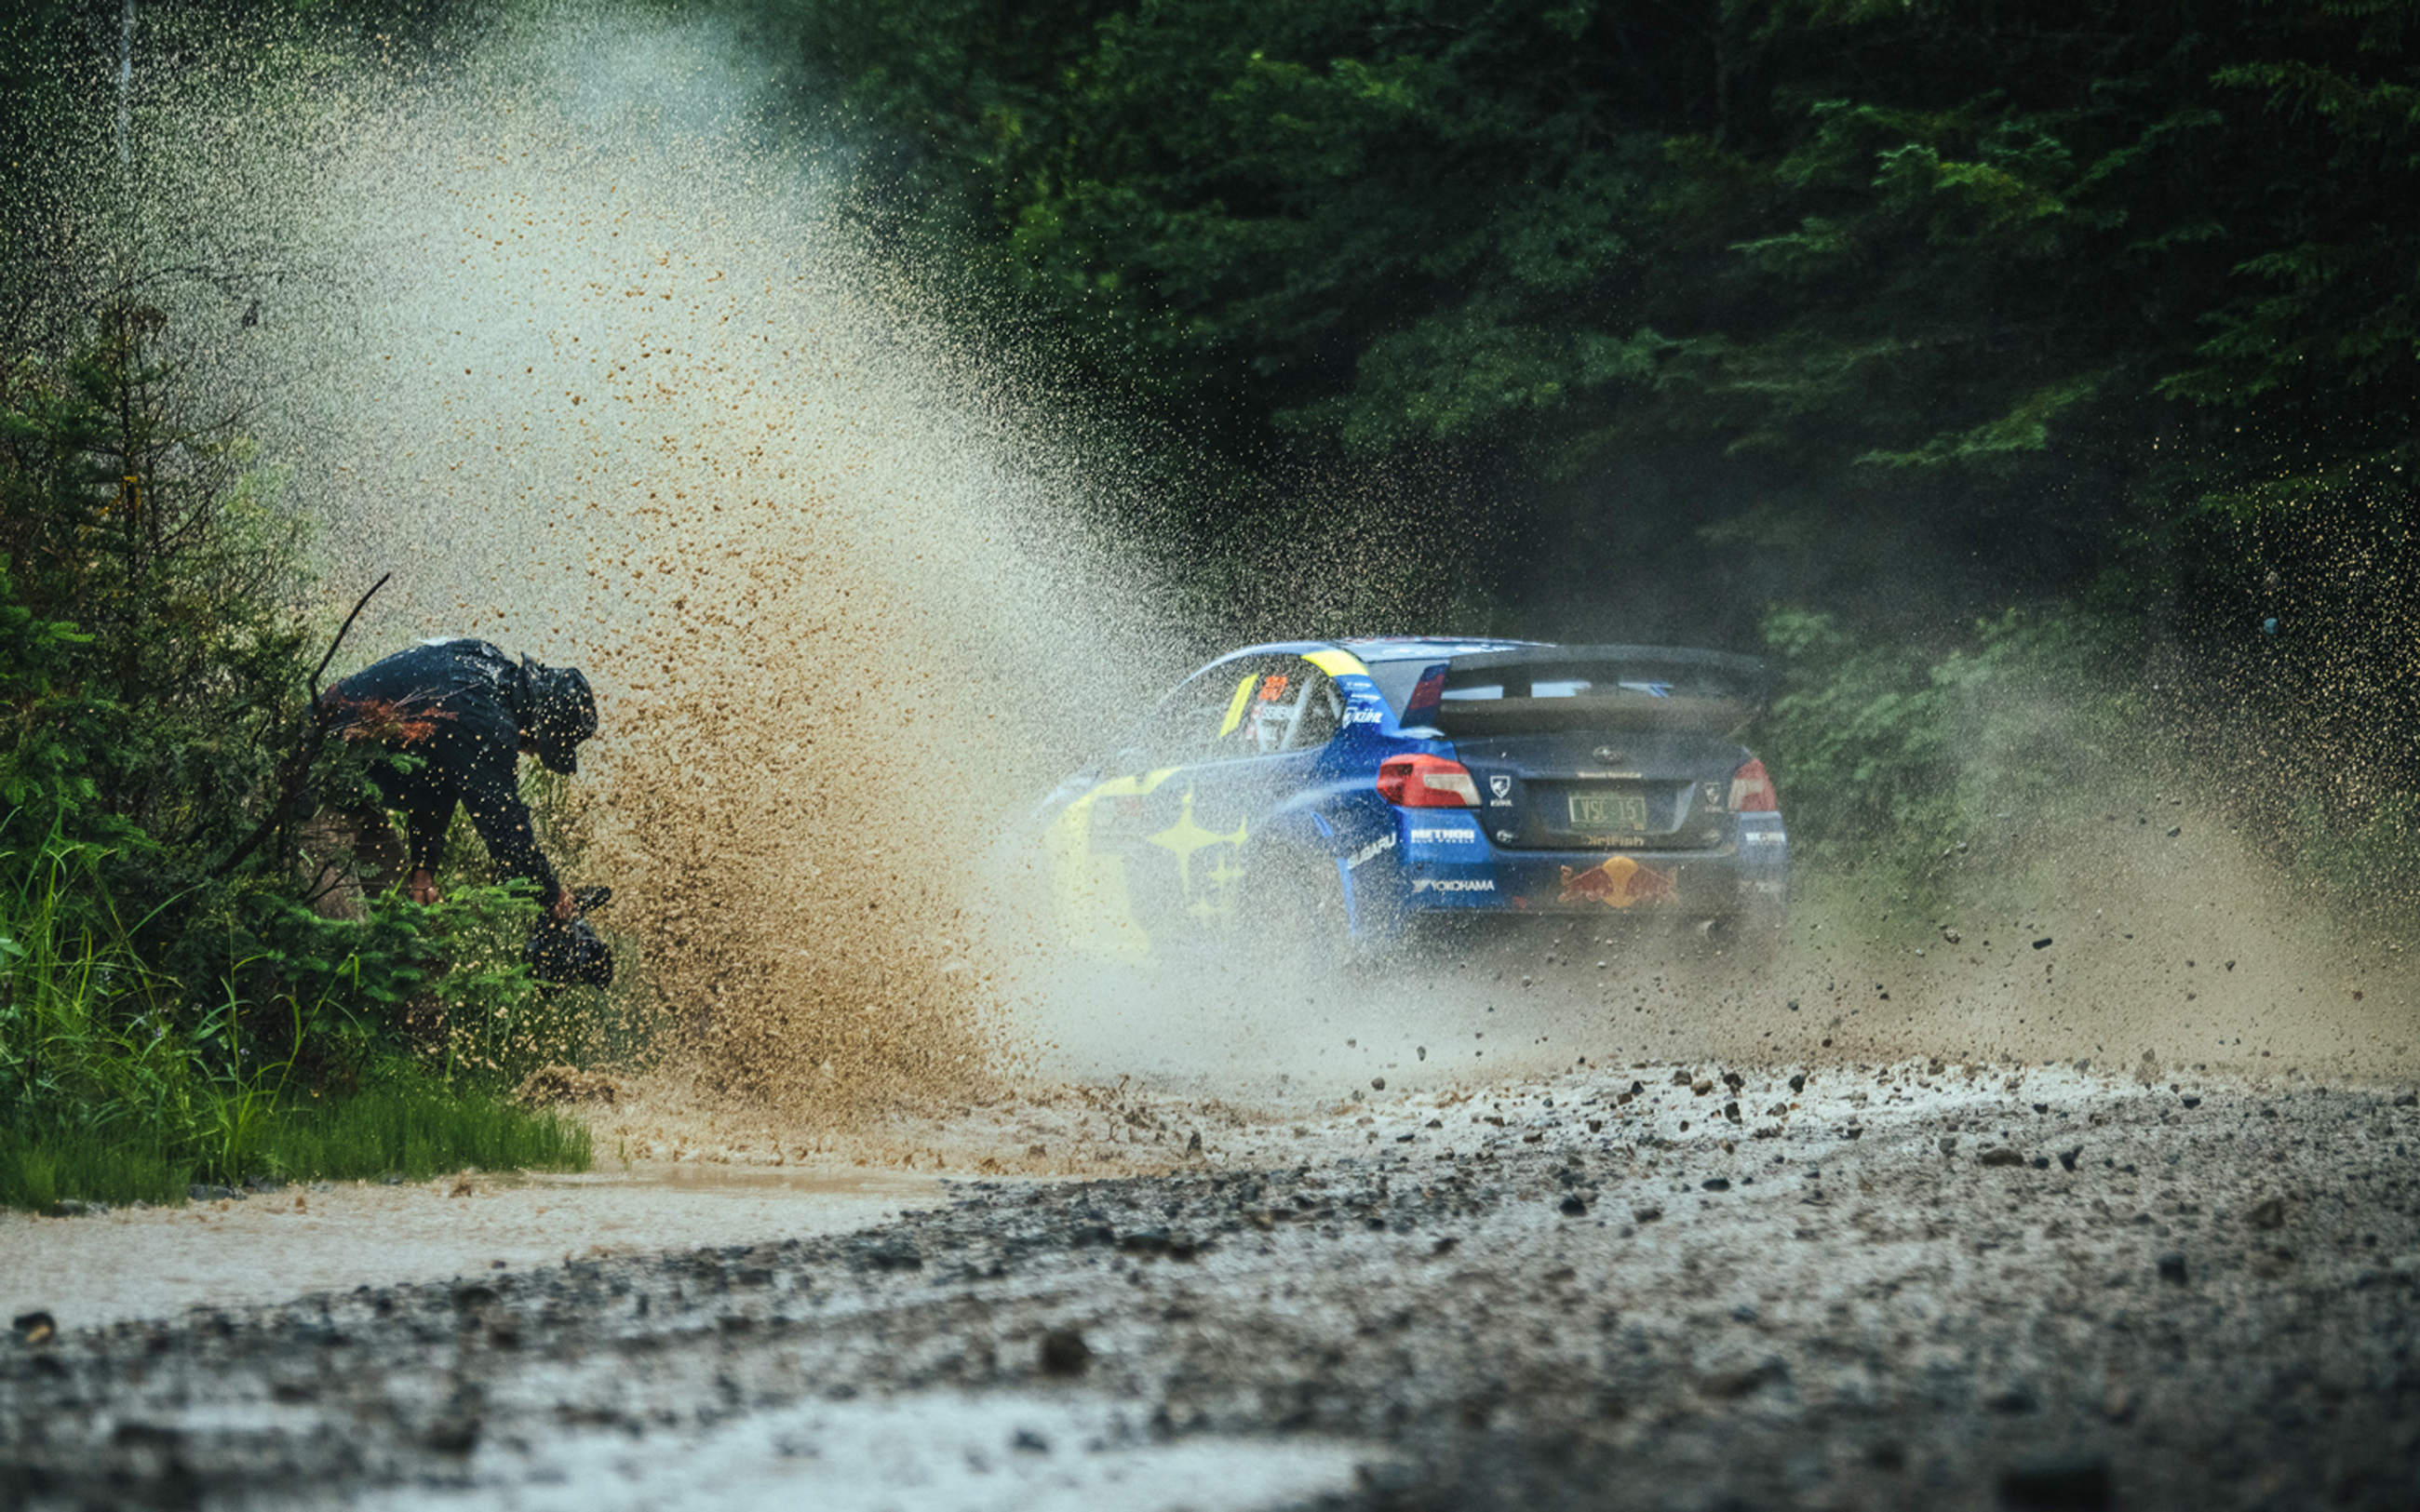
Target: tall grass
419, 1129
112, 1090
412, 1130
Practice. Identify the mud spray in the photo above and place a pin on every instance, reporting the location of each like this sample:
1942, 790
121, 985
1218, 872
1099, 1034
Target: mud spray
571, 342
580, 348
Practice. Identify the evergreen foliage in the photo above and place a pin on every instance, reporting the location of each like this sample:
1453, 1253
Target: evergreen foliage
1941, 251
172, 1008
1903, 313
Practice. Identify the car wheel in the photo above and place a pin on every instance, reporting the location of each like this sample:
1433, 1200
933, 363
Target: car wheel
1298, 910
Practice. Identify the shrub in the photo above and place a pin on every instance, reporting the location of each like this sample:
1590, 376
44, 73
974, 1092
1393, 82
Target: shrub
1894, 757
170, 1008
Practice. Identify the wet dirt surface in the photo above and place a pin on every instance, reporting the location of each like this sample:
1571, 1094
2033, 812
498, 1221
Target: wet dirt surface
1891, 1286
267, 1246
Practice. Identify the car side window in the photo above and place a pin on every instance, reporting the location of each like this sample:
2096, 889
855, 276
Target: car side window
1186, 726
1301, 714
1262, 706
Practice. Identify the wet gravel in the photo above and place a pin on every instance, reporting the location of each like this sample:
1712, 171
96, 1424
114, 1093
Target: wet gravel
1899, 1287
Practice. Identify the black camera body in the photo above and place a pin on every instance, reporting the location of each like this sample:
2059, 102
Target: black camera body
570, 953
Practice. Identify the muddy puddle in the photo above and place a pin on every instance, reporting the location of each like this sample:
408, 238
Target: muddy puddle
157, 1262
1667, 1286
951, 1451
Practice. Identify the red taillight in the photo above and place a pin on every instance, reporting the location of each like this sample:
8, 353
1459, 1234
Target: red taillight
1426, 782
1752, 790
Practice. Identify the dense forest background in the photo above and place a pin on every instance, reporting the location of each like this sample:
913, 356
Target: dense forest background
1962, 302
1842, 327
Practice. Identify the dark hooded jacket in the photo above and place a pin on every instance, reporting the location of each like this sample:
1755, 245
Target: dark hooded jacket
463, 708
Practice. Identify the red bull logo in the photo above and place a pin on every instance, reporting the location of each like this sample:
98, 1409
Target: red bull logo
1617, 883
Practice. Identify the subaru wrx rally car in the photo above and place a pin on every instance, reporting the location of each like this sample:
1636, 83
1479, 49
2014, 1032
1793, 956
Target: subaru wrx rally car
1354, 791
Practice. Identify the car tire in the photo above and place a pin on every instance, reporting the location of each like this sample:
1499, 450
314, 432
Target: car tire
1298, 911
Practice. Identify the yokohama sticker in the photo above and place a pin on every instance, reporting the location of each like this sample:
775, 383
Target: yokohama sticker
1455, 885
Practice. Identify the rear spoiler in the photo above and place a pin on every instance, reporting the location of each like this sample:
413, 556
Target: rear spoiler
1685, 688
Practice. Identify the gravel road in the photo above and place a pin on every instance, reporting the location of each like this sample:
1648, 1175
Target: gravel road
1920, 1285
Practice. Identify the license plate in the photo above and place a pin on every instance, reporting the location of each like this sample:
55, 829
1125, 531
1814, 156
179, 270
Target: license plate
1608, 811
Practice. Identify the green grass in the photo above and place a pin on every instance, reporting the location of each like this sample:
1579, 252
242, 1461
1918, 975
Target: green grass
38, 1171
113, 1087
417, 1129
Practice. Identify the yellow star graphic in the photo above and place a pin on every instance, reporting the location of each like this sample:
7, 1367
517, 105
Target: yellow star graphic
1185, 837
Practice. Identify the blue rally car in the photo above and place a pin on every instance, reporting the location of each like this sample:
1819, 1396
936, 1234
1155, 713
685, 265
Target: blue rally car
1351, 792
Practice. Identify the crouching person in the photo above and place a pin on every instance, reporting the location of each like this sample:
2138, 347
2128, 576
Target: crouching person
465, 712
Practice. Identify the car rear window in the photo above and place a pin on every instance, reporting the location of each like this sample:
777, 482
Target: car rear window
1396, 680
1568, 687
1555, 688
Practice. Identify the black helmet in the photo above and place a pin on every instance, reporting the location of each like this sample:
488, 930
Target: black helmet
559, 713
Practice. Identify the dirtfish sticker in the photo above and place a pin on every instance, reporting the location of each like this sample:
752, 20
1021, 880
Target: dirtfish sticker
1450, 837
1618, 884
1453, 884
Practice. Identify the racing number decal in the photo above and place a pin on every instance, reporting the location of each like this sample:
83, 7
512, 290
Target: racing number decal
1088, 881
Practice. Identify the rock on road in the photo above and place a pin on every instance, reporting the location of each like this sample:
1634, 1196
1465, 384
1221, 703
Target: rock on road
1915, 1287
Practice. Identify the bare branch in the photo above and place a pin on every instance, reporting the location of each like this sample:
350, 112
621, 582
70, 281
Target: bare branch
295, 777
362, 604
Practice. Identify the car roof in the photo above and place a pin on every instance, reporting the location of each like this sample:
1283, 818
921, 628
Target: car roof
1375, 650
1387, 647
1410, 647
1480, 651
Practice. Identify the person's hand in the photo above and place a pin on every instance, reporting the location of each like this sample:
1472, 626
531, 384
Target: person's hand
565, 909
422, 888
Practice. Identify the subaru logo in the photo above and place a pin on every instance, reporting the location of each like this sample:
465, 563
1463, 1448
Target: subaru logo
1500, 785
1607, 754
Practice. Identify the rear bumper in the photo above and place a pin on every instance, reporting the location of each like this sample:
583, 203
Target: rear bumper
1592, 882
1736, 881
